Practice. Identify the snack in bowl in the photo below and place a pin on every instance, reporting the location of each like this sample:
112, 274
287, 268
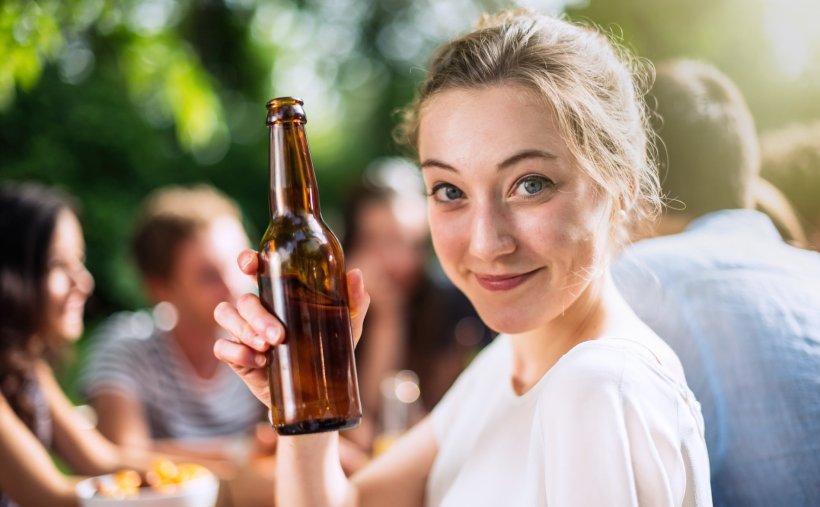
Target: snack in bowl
165, 484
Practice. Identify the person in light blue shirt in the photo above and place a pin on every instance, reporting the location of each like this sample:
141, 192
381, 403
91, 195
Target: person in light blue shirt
740, 307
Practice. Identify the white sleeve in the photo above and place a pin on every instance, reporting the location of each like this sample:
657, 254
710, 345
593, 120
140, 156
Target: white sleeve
599, 440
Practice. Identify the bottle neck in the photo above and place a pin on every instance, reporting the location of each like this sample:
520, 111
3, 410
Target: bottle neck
292, 180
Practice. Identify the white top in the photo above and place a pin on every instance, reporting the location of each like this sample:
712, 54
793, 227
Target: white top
607, 425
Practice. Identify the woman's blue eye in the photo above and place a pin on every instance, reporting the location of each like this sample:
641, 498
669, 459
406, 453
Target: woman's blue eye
532, 185
445, 192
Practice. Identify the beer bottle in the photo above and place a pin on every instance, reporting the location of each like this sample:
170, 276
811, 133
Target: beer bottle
302, 281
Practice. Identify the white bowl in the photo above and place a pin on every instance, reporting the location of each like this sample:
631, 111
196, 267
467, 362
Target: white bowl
199, 492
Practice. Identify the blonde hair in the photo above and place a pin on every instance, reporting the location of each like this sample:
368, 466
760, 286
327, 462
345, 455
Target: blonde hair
170, 216
594, 87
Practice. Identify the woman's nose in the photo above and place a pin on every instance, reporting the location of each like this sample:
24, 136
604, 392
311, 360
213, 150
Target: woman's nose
490, 235
83, 280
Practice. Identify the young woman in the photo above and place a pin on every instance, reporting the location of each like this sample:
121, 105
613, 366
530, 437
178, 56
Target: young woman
532, 140
43, 288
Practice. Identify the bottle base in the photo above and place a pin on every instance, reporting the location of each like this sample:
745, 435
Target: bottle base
317, 426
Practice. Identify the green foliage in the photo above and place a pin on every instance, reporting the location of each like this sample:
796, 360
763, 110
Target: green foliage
112, 98
167, 79
29, 35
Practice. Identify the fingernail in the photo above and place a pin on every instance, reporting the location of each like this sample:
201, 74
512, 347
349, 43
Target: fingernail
246, 260
260, 359
258, 342
273, 335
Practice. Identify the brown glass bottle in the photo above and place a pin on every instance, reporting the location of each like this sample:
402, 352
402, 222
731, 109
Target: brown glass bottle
302, 281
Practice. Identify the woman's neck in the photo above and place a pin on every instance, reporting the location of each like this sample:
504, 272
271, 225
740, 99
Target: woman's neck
535, 352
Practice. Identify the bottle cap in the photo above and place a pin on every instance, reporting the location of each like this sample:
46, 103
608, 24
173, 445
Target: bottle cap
285, 110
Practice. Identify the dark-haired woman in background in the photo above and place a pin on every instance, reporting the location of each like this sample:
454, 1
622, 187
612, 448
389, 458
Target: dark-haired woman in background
44, 285
415, 321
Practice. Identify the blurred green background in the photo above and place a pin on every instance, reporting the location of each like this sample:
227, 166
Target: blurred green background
112, 98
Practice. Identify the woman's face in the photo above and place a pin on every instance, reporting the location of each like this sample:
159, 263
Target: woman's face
68, 282
517, 226
389, 247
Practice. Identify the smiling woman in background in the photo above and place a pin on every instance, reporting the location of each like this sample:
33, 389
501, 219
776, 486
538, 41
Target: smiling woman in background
532, 140
44, 285
415, 321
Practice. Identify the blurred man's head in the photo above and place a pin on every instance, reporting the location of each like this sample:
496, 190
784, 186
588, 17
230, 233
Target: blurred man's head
185, 244
791, 161
709, 155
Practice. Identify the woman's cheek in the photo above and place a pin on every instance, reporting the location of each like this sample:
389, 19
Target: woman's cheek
449, 245
58, 284
442, 236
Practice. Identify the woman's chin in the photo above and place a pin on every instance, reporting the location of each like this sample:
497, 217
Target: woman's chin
507, 324
71, 330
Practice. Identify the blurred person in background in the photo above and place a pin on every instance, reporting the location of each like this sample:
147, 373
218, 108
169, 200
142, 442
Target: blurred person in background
739, 306
416, 321
44, 285
791, 161
773, 202
152, 378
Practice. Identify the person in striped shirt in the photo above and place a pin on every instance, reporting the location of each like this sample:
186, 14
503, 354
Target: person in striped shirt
152, 376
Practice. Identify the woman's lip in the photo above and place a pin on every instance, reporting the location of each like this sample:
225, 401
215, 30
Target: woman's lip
503, 282
75, 306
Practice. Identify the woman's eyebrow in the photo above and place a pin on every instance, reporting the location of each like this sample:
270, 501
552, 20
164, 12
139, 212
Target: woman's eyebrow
525, 154
431, 162
510, 161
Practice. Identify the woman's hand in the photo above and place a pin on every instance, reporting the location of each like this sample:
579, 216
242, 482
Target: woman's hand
253, 330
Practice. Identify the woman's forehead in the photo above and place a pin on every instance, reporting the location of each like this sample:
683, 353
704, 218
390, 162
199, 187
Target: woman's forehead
493, 121
67, 232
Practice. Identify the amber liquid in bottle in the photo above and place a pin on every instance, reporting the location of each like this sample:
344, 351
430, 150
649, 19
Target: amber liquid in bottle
302, 281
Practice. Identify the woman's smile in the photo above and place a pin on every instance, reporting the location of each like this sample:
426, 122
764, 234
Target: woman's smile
503, 282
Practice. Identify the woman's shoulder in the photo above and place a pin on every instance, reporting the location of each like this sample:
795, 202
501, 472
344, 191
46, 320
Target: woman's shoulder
615, 380
614, 367
591, 365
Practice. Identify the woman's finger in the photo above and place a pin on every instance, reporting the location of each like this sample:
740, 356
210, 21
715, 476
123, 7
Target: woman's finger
248, 261
227, 316
261, 320
359, 302
248, 364
238, 355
